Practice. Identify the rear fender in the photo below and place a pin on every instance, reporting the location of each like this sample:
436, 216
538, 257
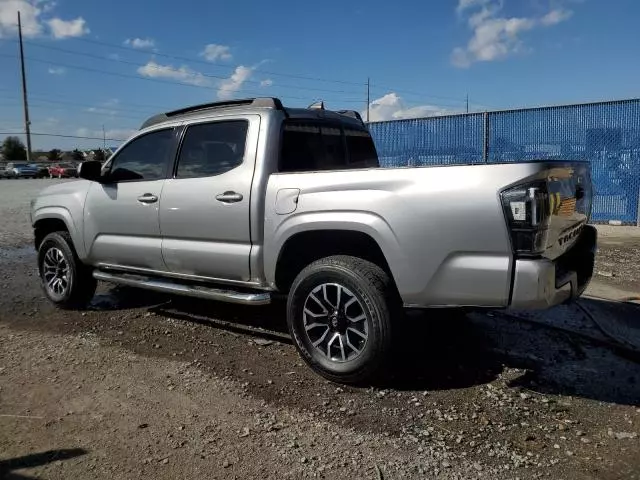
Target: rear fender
364, 222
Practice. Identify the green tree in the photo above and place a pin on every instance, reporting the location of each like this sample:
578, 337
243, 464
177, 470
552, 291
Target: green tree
13, 149
77, 155
98, 155
54, 155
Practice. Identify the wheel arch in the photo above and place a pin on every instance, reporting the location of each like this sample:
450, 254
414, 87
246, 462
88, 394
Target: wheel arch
52, 219
304, 247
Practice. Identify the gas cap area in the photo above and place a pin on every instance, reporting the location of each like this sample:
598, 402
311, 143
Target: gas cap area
287, 200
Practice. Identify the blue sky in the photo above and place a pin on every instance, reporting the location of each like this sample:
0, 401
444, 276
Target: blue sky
114, 63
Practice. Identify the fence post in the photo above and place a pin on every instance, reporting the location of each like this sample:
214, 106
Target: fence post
485, 146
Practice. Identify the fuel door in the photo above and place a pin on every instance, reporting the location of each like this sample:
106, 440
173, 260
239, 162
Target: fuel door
287, 200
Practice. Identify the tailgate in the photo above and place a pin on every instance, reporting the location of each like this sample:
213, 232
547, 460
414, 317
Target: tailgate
569, 205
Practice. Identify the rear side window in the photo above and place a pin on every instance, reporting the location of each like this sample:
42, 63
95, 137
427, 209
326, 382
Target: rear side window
361, 149
309, 146
211, 149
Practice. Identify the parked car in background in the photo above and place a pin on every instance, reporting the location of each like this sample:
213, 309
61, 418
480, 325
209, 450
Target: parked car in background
42, 171
63, 170
20, 170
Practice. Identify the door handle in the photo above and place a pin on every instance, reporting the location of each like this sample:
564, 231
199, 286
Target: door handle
229, 197
147, 198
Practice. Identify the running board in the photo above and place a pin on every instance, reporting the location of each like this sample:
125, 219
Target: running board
166, 286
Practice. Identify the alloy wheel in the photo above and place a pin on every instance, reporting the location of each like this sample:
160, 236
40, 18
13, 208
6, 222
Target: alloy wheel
335, 322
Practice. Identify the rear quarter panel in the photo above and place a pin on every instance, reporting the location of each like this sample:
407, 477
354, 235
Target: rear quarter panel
441, 229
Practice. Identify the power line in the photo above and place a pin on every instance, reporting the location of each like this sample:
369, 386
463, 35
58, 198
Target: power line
192, 60
421, 95
83, 112
155, 108
106, 109
160, 67
166, 82
66, 136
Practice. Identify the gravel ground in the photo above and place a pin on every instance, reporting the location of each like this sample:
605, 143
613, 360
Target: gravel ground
151, 386
618, 261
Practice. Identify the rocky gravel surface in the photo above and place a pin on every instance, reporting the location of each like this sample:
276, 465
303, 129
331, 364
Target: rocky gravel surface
149, 386
618, 261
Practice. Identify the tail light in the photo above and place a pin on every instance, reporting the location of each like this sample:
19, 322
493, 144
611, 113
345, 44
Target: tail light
527, 210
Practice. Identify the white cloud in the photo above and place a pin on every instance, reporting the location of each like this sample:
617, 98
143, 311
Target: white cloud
30, 13
213, 52
182, 74
556, 16
495, 36
140, 43
227, 88
36, 19
57, 70
392, 107
68, 28
266, 82
465, 4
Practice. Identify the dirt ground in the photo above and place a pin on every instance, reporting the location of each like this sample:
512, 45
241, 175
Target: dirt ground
150, 386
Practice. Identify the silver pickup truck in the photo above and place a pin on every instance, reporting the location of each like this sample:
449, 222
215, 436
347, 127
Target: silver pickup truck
243, 200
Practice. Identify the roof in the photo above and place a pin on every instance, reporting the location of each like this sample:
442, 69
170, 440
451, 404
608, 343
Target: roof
251, 105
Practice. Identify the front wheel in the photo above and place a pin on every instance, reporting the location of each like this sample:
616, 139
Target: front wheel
339, 313
66, 281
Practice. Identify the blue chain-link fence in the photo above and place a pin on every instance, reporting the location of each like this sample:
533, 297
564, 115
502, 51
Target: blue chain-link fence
607, 134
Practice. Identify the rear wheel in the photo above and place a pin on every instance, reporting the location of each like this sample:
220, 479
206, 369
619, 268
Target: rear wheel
339, 314
66, 281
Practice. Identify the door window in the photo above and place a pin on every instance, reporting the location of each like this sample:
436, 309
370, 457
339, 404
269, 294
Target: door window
211, 149
144, 158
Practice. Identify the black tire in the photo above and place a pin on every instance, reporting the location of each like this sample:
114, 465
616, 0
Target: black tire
377, 299
80, 286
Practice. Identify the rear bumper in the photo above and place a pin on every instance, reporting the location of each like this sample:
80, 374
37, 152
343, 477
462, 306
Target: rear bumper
542, 283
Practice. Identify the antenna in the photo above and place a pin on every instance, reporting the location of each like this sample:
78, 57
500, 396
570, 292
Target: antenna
319, 105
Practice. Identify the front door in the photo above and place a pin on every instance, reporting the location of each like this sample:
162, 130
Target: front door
204, 209
121, 221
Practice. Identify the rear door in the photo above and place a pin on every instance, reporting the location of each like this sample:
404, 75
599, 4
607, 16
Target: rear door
121, 222
205, 206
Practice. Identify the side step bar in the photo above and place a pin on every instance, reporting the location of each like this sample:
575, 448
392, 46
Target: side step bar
166, 286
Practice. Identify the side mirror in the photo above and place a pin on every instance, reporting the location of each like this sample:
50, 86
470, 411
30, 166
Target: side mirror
90, 170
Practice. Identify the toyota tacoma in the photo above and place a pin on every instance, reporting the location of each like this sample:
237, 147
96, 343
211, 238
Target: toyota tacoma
243, 200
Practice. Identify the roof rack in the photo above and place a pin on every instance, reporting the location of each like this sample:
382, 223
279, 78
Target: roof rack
261, 102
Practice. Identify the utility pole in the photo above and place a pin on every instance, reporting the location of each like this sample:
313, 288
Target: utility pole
27, 123
467, 103
368, 97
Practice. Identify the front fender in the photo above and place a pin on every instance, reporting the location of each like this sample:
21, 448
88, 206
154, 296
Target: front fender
63, 214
